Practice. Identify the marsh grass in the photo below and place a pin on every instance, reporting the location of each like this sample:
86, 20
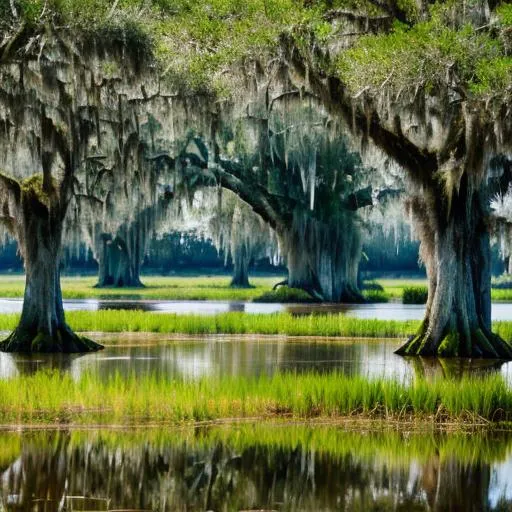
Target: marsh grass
285, 294
51, 397
229, 323
156, 287
415, 295
206, 288
178, 288
327, 325
394, 289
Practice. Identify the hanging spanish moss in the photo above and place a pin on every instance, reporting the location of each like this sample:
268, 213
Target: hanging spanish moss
240, 234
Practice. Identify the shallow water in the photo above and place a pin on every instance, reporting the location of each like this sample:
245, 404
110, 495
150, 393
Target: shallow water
249, 356
254, 468
389, 311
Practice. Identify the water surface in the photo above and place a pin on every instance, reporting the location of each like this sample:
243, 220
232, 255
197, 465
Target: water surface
249, 468
248, 356
389, 311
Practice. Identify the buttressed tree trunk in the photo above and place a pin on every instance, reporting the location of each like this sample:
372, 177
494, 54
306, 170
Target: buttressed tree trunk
323, 259
455, 248
35, 219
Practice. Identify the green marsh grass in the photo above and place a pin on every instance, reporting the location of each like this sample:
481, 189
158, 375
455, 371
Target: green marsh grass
415, 295
285, 294
51, 397
229, 323
177, 288
324, 325
394, 289
203, 288
285, 324
156, 287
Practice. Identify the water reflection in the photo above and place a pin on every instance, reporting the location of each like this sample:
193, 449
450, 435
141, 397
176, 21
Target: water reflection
254, 468
390, 311
454, 368
214, 356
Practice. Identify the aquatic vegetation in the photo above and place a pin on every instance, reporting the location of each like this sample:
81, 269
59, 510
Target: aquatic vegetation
285, 294
241, 323
415, 295
50, 397
231, 323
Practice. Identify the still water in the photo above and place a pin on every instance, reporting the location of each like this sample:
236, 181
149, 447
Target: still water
250, 356
389, 311
250, 468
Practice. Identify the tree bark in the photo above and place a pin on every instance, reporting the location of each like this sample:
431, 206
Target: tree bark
241, 261
117, 267
455, 248
324, 261
42, 326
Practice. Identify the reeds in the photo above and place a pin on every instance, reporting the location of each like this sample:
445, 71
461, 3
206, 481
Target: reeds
229, 323
51, 397
415, 295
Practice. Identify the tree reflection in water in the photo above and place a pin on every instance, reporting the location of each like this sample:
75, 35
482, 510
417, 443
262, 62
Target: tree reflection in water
250, 468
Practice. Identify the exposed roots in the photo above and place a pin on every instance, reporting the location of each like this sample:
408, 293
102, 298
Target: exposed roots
481, 344
32, 341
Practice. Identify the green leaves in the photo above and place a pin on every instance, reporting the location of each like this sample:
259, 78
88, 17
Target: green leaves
441, 51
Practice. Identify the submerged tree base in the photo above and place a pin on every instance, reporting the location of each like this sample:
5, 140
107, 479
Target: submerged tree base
32, 341
479, 343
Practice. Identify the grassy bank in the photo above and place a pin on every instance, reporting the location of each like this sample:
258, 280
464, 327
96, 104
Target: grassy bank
240, 323
57, 398
176, 288
210, 288
156, 287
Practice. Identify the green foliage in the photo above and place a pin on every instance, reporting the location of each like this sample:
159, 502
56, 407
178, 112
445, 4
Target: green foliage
415, 295
445, 49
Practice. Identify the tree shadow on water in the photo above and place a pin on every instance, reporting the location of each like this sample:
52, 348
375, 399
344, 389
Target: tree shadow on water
431, 368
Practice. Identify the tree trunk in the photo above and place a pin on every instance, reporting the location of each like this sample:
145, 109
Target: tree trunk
324, 261
241, 261
42, 326
455, 248
117, 267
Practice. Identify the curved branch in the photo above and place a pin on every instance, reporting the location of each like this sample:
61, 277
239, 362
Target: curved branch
251, 195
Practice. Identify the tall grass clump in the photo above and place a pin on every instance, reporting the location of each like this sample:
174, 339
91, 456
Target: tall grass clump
51, 397
284, 294
415, 295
